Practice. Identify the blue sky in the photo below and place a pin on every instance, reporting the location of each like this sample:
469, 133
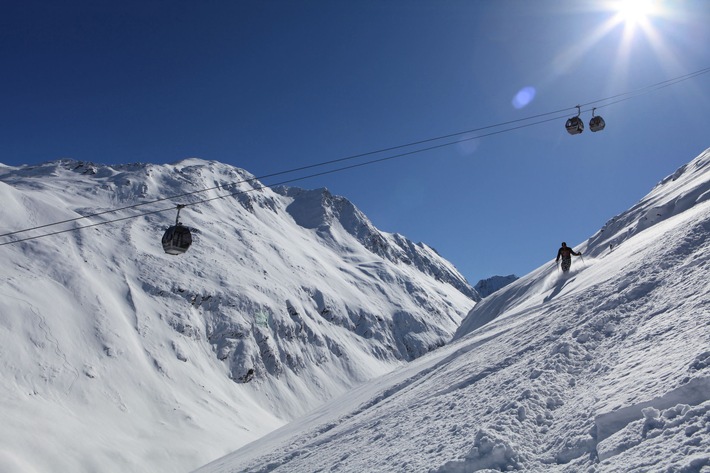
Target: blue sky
274, 85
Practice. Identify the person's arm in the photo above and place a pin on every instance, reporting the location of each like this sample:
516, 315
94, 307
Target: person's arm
559, 253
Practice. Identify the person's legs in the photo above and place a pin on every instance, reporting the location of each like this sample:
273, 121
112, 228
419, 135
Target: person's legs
566, 263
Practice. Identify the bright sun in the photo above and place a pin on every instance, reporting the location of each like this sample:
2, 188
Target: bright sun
635, 23
634, 11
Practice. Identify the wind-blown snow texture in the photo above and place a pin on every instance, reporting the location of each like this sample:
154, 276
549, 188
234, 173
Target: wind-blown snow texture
116, 357
606, 369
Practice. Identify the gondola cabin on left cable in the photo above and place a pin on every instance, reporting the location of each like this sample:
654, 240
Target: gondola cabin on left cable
575, 125
177, 239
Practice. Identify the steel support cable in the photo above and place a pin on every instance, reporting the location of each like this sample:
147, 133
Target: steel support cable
648, 89
630, 95
288, 181
645, 91
280, 173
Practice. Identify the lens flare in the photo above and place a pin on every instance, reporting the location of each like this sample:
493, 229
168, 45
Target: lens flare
524, 97
468, 145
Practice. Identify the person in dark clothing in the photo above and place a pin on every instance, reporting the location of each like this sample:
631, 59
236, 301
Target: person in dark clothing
565, 253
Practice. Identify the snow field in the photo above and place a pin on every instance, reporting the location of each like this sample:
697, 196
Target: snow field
605, 369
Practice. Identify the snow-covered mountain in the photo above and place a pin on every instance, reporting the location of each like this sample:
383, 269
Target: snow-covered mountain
117, 357
604, 369
486, 287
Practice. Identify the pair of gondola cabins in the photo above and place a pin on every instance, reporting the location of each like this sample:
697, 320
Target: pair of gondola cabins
575, 125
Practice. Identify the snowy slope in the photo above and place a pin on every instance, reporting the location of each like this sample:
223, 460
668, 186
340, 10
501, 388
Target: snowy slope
117, 357
606, 369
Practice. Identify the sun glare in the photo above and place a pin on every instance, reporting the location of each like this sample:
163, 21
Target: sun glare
636, 23
632, 12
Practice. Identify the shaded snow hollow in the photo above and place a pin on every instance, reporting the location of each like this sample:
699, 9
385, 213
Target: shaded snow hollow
605, 369
116, 357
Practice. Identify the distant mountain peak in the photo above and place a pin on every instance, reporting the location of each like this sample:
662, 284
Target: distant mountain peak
319, 210
486, 287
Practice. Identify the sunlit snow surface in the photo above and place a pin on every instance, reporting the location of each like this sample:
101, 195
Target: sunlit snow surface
115, 357
606, 369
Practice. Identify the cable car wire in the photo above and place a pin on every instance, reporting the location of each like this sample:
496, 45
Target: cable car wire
631, 94
288, 171
614, 100
288, 181
646, 90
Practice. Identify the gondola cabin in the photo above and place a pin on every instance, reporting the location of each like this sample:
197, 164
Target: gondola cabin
596, 124
177, 239
574, 126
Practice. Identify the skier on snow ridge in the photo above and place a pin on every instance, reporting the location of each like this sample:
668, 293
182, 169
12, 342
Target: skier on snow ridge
566, 253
